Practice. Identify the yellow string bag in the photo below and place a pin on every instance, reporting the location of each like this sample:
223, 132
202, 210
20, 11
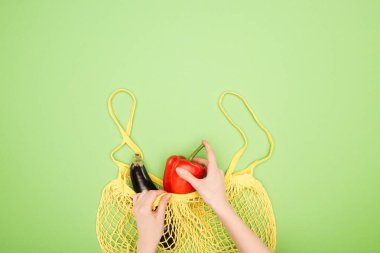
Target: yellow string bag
192, 225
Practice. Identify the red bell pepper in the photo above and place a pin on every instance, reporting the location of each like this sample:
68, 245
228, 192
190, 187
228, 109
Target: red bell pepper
174, 183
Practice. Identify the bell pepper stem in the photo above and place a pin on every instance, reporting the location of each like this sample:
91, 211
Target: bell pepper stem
195, 152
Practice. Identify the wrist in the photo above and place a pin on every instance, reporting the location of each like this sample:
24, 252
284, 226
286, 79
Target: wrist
222, 208
146, 247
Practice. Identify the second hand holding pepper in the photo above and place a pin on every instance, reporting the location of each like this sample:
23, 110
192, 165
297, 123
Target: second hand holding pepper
173, 182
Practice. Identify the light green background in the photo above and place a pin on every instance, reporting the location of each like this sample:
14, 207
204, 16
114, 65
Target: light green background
310, 70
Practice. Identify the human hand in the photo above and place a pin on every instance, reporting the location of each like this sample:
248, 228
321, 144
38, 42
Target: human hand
213, 191
150, 224
211, 188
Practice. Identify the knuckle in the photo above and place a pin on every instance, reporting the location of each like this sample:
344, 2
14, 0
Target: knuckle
144, 211
148, 195
158, 192
138, 210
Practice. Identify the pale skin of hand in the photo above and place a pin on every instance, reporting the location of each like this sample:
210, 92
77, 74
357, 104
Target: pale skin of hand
213, 191
150, 224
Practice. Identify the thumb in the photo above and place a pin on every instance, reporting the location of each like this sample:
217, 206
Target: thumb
162, 206
188, 177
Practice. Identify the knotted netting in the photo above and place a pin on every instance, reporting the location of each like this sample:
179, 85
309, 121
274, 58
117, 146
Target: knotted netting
191, 225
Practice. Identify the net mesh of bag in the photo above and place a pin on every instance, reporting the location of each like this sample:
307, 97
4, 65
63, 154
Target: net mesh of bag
191, 225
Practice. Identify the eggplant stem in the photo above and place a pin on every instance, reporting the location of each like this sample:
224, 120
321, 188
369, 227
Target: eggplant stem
195, 152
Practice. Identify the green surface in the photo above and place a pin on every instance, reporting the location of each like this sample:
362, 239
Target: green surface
310, 69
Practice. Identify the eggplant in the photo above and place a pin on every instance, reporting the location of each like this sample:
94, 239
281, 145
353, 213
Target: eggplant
141, 181
139, 176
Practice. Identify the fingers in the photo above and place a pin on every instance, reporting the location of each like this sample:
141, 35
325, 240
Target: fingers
162, 206
201, 161
188, 177
146, 198
210, 153
137, 196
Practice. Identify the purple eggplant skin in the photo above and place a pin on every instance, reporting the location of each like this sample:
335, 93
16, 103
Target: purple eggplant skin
141, 181
140, 177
